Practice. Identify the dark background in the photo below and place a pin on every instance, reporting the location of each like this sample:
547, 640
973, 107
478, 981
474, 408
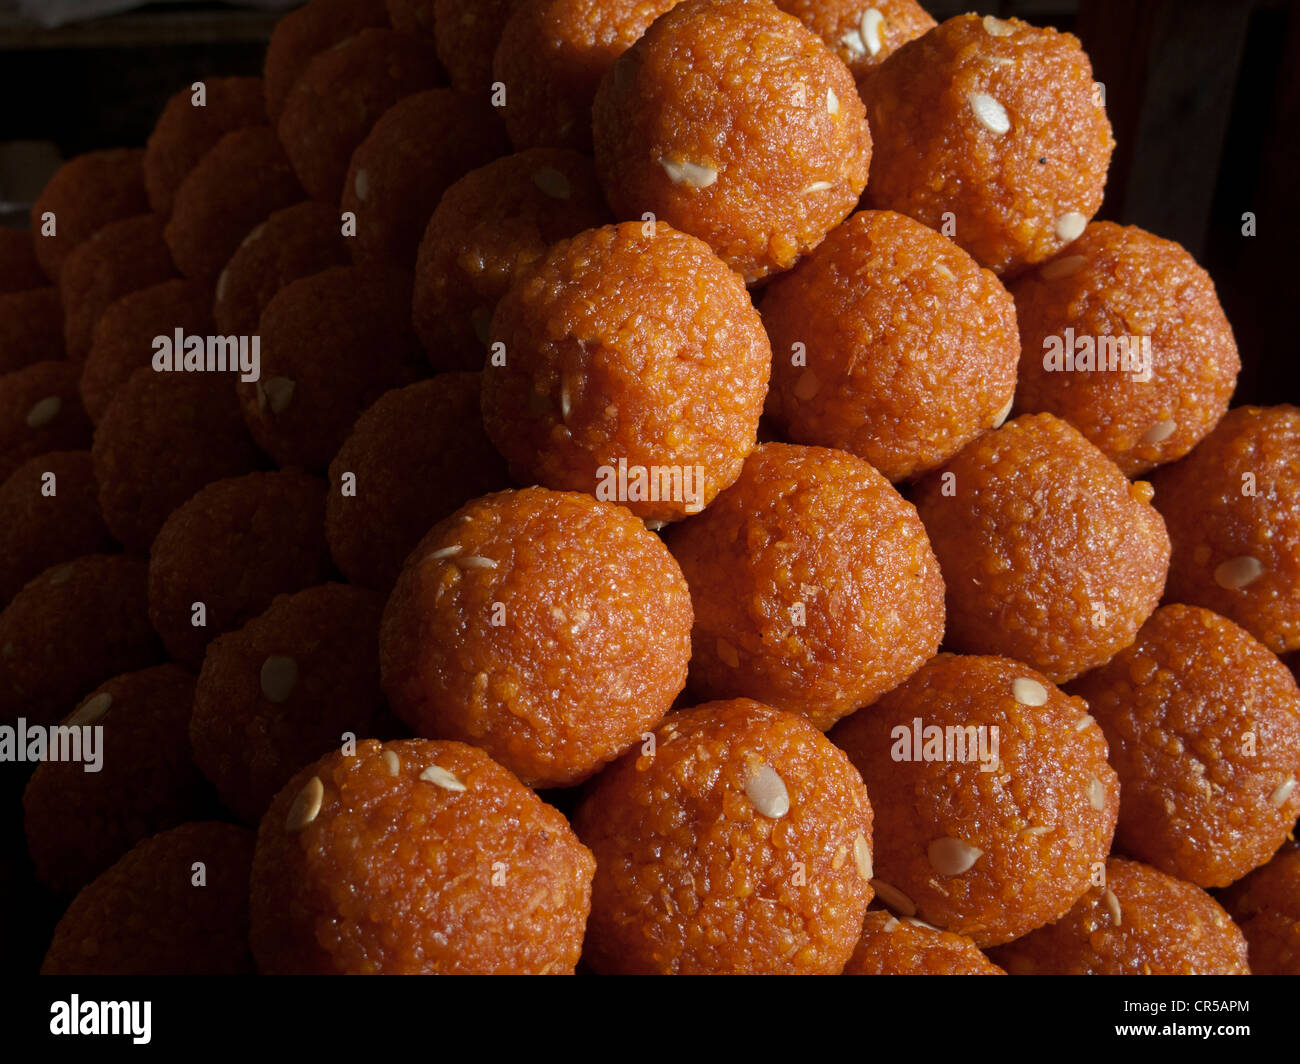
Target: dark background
1204, 97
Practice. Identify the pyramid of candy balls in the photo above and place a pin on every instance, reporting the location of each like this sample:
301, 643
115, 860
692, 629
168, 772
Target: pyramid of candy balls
635, 486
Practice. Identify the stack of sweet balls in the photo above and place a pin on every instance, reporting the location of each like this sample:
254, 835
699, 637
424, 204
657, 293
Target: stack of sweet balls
657, 539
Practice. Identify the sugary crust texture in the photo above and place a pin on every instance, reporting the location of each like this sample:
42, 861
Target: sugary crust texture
397, 175
84, 195
487, 227
893, 946
1049, 554
341, 95
122, 341
235, 186
441, 864
417, 454
234, 545
293, 242
907, 347
284, 689
306, 32
31, 327
732, 121
1204, 729
184, 133
162, 438
625, 346
467, 36
1233, 511
69, 629
546, 627
691, 878
147, 916
551, 58
1119, 281
841, 24
1142, 922
1039, 822
1000, 183
814, 585
1266, 906
38, 530
77, 822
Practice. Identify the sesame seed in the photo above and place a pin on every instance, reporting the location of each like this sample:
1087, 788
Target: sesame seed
766, 790
807, 385
92, 709
476, 561
893, 897
1083, 722
444, 779
278, 677
1059, 268
997, 28
869, 27
1282, 793
692, 175
952, 857
818, 186
362, 185
944, 272
1036, 830
552, 182
44, 411
1159, 432
393, 762
1112, 906
1096, 794
862, 857
728, 655
305, 807
991, 114
444, 552
1070, 226
1028, 692
832, 102
1236, 573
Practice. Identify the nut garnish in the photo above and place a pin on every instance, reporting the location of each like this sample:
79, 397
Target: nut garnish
278, 677
44, 411
766, 790
1070, 226
1160, 431
1278, 797
893, 897
1236, 573
1028, 692
1096, 794
995, 27
869, 28
552, 182
305, 807
692, 175
1112, 906
475, 561
862, 857
92, 710
393, 762
952, 857
1059, 268
444, 779
991, 114
362, 185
